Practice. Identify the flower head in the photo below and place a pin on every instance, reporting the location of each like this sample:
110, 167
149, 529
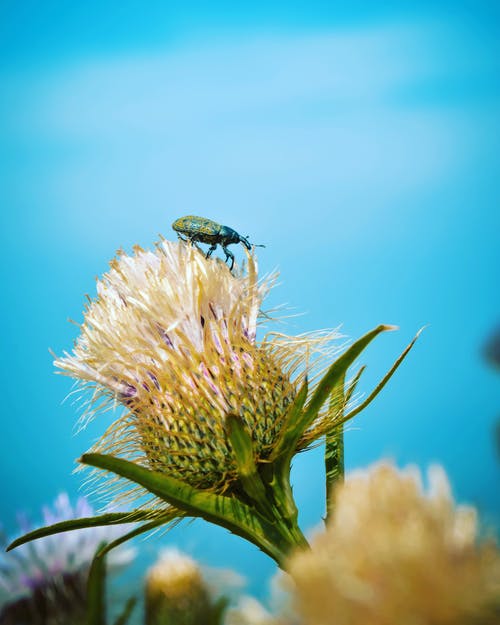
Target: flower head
392, 554
171, 337
47, 578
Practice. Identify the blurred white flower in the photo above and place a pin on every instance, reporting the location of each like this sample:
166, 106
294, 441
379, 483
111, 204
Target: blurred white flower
249, 611
46, 578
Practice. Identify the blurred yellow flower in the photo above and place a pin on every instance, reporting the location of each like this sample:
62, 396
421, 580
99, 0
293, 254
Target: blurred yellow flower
176, 593
393, 555
171, 337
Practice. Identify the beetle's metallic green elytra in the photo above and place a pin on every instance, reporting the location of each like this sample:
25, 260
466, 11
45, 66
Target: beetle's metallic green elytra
203, 230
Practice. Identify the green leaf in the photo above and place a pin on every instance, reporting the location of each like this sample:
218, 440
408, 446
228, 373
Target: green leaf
225, 511
96, 590
127, 611
335, 373
160, 520
249, 477
298, 418
113, 518
383, 382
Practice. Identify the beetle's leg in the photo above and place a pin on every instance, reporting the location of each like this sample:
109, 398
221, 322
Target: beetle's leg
211, 250
181, 237
229, 255
193, 242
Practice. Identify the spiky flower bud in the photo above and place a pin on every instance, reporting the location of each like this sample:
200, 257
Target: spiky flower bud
172, 337
391, 555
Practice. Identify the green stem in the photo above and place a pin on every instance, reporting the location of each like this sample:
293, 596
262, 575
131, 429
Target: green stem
276, 478
334, 465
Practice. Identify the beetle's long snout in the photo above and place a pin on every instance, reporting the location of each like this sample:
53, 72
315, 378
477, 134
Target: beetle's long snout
245, 242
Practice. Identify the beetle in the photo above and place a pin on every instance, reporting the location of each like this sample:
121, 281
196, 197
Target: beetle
203, 230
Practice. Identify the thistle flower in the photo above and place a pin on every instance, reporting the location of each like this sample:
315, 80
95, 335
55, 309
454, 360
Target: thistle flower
392, 554
44, 583
212, 416
172, 338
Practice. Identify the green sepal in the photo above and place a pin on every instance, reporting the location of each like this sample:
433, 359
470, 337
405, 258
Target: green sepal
279, 466
298, 419
242, 445
335, 373
291, 429
112, 518
383, 382
228, 512
249, 477
96, 590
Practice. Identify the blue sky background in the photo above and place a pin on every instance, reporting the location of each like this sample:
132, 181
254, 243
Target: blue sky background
358, 141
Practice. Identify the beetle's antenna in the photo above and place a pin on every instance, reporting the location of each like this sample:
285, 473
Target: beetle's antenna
254, 244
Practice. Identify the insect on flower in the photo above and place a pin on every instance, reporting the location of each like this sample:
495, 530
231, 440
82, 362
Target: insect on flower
203, 230
172, 337
212, 415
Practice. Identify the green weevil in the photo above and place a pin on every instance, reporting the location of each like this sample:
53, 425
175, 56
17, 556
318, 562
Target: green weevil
203, 230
